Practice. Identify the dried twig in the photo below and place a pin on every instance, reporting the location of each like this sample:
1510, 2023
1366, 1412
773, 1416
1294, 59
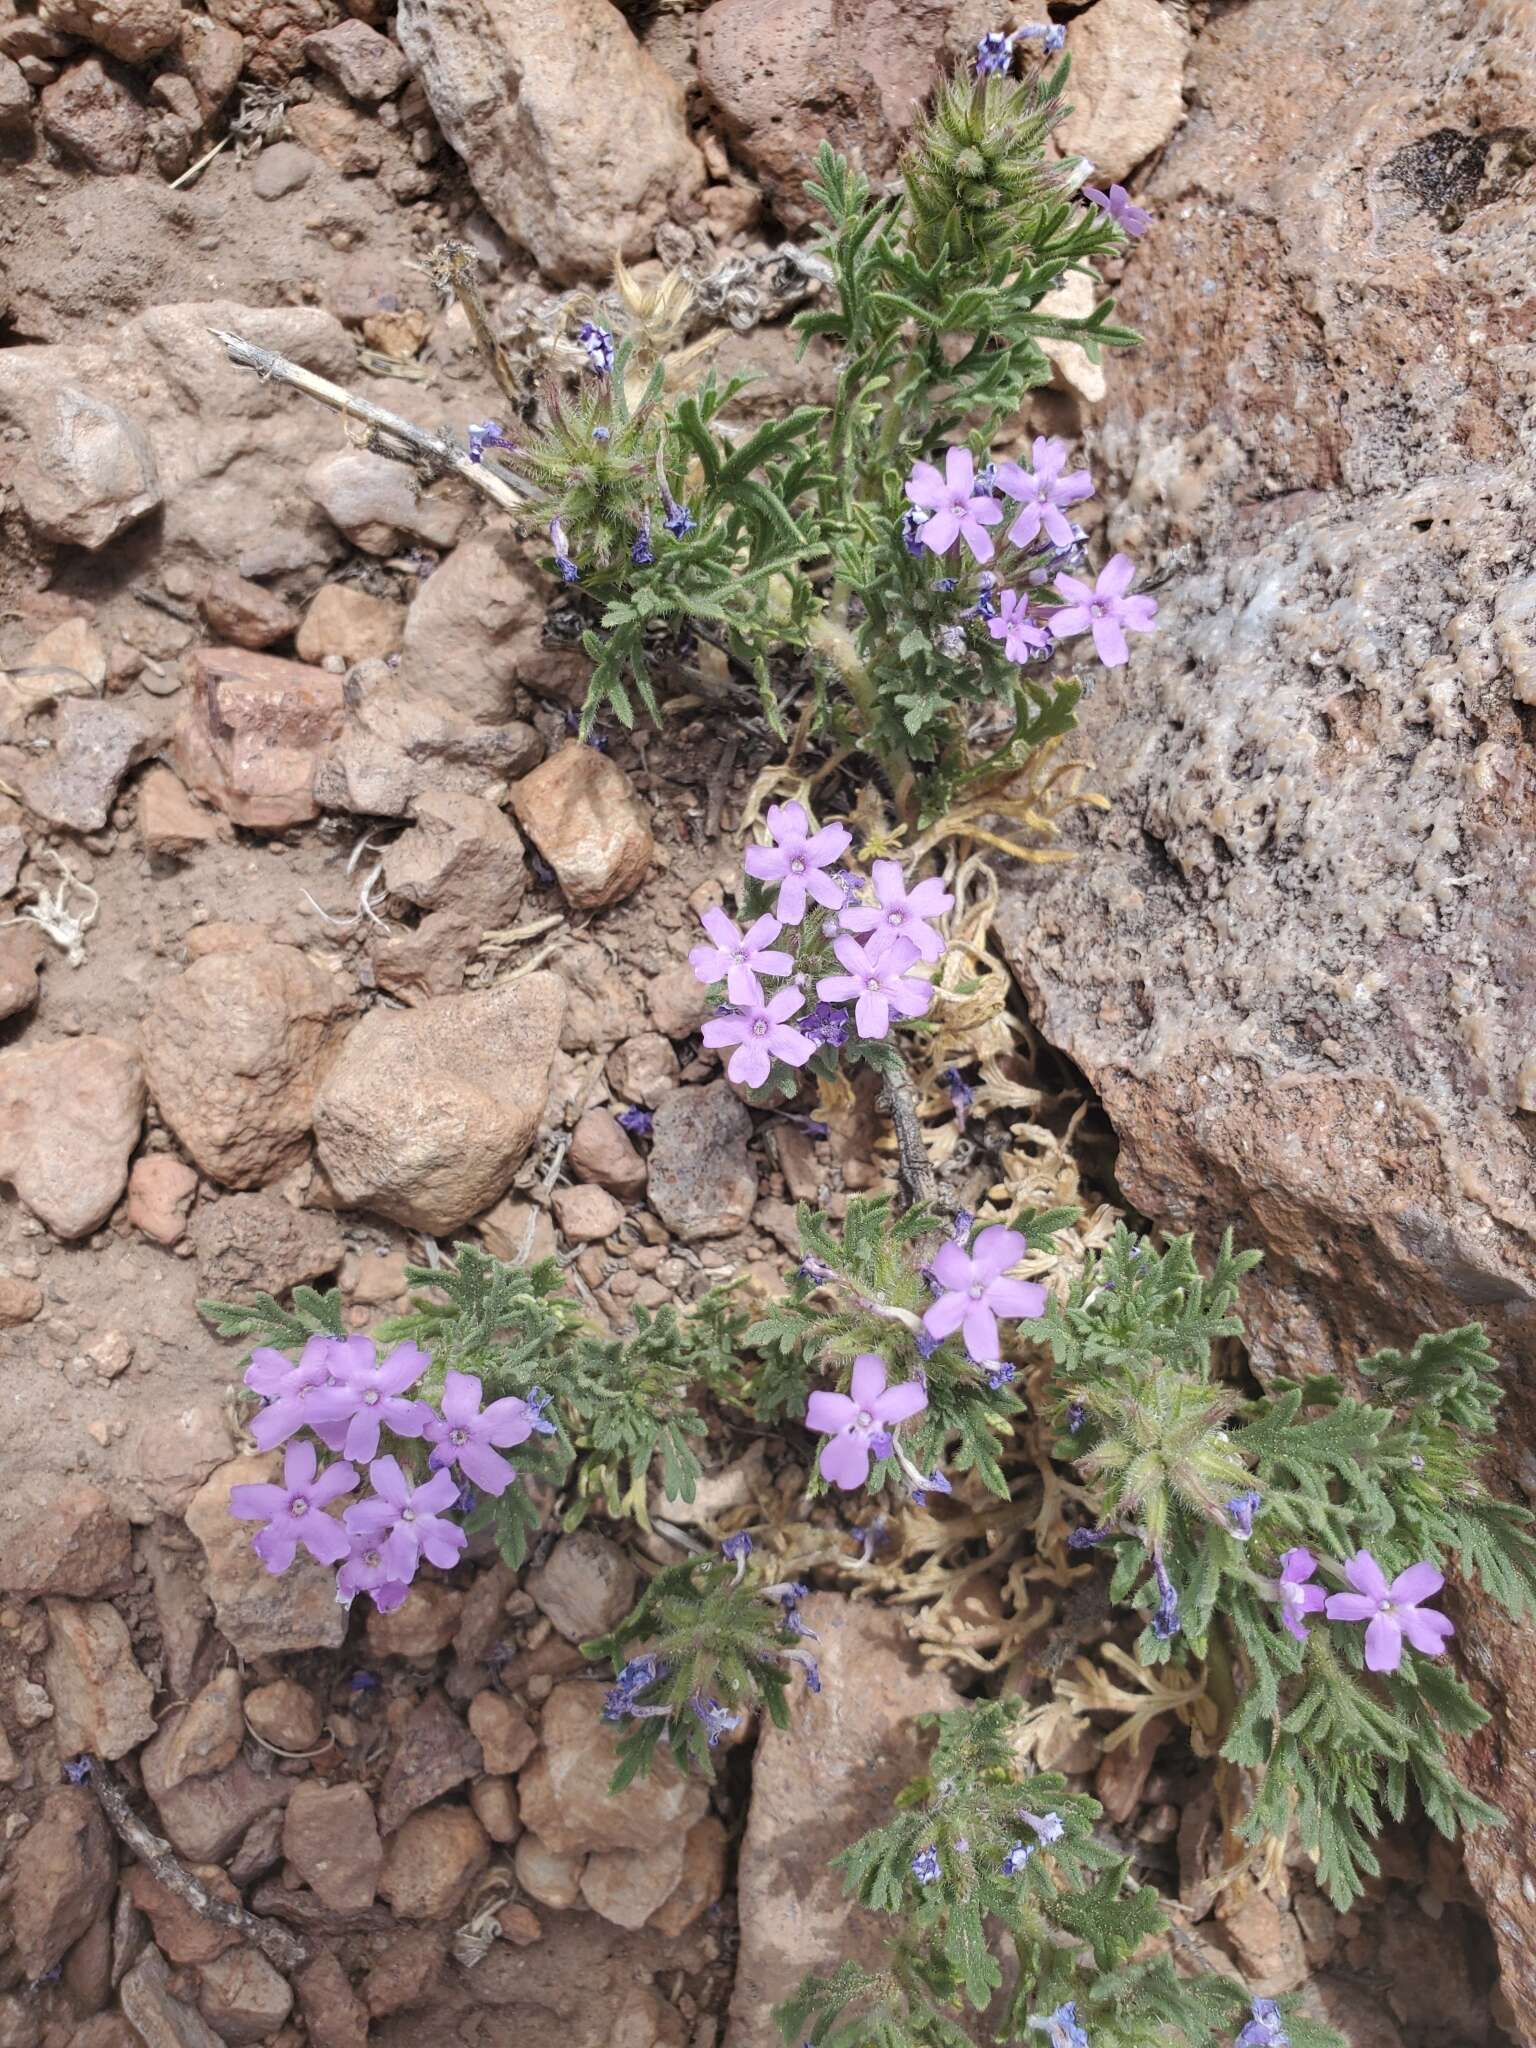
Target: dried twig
452, 268
282, 1949
900, 1104
388, 434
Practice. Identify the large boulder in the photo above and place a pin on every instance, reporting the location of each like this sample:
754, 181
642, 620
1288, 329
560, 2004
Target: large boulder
576, 141
1295, 958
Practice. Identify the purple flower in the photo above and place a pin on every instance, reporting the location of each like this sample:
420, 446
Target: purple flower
717, 1720
994, 53
1061, 2028
1165, 1622
1000, 1376
899, 912
1017, 1857
472, 1437
1104, 610
976, 1293
1084, 1538
1266, 2029
737, 958
737, 1549
294, 1512
486, 434
855, 1421
1298, 1599
761, 1034
291, 1392
1043, 493
636, 1676
1120, 207
1050, 1827
367, 1570
77, 1769
956, 509
912, 530
679, 521
596, 343
925, 1865
798, 860
1054, 41
877, 979
568, 569
367, 1393
826, 1025
1240, 1513
1024, 637
404, 1523
1393, 1611
641, 553
1077, 1415
636, 1121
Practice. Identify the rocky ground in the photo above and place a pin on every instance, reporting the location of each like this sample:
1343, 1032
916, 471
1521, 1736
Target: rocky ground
326, 945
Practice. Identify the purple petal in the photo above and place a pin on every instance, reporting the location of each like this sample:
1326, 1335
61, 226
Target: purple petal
829, 1411
299, 1463
1419, 1582
487, 1468
333, 1482
1366, 1575
868, 1382
388, 1482
900, 1404
1297, 1564
1383, 1644
951, 1266
323, 1539
980, 1328
844, 1461
946, 1315
996, 1249
1351, 1606
1022, 1298
750, 1065
1116, 576
462, 1394
257, 1503
1110, 643
506, 1422
1426, 1630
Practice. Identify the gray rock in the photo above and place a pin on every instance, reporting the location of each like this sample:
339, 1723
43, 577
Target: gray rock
158, 2018
91, 747
585, 1585
101, 1699
282, 168
88, 472
703, 1180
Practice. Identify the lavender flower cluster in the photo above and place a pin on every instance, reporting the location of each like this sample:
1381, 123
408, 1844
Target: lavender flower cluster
344, 1394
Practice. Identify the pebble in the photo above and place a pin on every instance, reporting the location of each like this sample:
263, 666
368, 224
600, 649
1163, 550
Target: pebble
286, 1714
586, 1215
586, 1585
331, 1837
432, 1862
703, 1179
101, 1699
583, 814
281, 168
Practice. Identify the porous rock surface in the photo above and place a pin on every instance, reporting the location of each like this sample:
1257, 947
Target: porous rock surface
1295, 958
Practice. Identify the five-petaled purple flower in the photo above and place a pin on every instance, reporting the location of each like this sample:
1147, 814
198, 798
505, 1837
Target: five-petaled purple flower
976, 1292
738, 957
826, 1024
294, 1512
368, 1391
899, 912
717, 1720
1105, 610
1266, 2029
596, 344
367, 1570
1298, 1599
854, 1420
1393, 1611
994, 53
1121, 208
798, 860
1043, 492
404, 1523
956, 509
472, 1437
290, 1392
1024, 637
761, 1034
876, 979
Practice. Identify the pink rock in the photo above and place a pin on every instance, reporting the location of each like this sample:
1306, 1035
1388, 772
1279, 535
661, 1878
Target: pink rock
161, 1190
130, 29
93, 117
251, 733
366, 65
65, 1538
70, 1115
582, 813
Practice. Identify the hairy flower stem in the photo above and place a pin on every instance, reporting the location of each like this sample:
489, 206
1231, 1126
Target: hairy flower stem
831, 640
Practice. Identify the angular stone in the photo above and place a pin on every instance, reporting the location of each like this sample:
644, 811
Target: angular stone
69, 659
395, 748
586, 1215
564, 1792
331, 1838
87, 472
159, 2019
461, 853
260, 1613
421, 1626
169, 821
252, 731
571, 175
703, 1180
379, 505
678, 1001
161, 1190
236, 609
243, 1997
702, 1880
92, 745
643, 1068
92, 116
406, 1972
60, 1877
626, 1886
130, 29
582, 813
474, 635
250, 1244
435, 1753
234, 1049
366, 65
182, 1934
334, 2015
602, 1151
861, 1731
1127, 90
347, 622
205, 1818
428, 1113
22, 953
62, 1537
494, 1801
433, 1861
197, 1739
586, 1585
21, 1301
285, 1714
101, 1699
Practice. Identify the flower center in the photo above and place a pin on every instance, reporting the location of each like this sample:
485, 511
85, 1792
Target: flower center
738, 956
760, 1029
407, 1514
297, 1504
871, 981
864, 1420
370, 1397
1387, 1607
458, 1436
797, 866
977, 1290
895, 916
373, 1559
1098, 610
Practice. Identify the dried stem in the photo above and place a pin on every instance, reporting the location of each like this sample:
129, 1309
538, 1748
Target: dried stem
284, 1950
452, 269
388, 434
900, 1104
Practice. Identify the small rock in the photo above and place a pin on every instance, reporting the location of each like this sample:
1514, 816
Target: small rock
22, 953
406, 1973
20, 1301
71, 658
703, 1180
702, 1880
503, 1732
66, 1538
420, 1626
252, 733
257, 1244
92, 746
564, 1792
603, 1152
213, 56
246, 613
243, 1997
345, 621
182, 1934
395, 748
259, 1613
159, 2019
482, 1619
260, 1848
506, 1233
376, 1278
643, 1069
474, 635
234, 1049
161, 1190
571, 175
60, 1877
1127, 92
435, 1753
129, 29
170, 823
206, 1818
433, 1861
92, 116
548, 1875
366, 65
379, 505
1266, 1942
1074, 370
281, 168
198, 1739
334, 2015
519, 1926
429, 1112
101, 1699
461, 853
586, 1586
586, 1215
15, 102
495, 1806
285, 1714
582, 813
331, 1838
13, 851
678, 1002
87, 471
626, 1886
